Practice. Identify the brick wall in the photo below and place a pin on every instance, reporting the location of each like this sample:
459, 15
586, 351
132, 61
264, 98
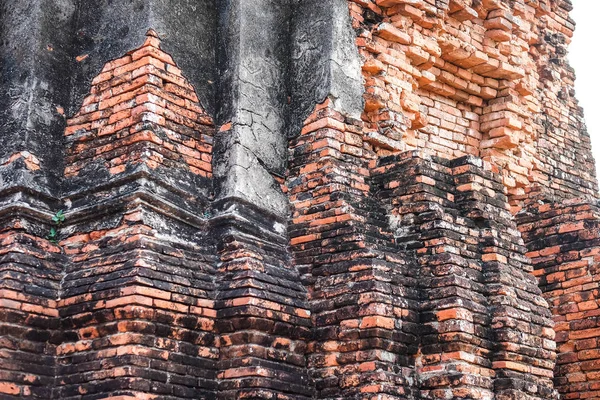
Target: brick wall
485, 78
563, 241
439, 243
363, 296
31, 269
140, 110
424, 257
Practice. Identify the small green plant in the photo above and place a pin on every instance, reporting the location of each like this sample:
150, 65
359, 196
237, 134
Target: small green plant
58, 219
53, 235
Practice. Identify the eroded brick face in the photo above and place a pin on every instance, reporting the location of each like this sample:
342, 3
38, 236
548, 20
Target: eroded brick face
478, 78
436, 237
420, 276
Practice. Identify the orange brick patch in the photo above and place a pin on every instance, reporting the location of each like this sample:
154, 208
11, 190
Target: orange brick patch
142, 106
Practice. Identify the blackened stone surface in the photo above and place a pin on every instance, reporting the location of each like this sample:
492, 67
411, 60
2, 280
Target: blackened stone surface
253, 61
107, 29
277, 61
35, 67
325, 61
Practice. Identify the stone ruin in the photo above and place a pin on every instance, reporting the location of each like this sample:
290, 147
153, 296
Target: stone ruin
295, 199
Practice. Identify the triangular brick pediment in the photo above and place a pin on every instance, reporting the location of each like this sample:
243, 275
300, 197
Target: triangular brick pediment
141, 109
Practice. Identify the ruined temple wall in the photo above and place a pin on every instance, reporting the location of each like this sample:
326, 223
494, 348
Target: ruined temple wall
494, 82
416, 273
450, 72
280, 200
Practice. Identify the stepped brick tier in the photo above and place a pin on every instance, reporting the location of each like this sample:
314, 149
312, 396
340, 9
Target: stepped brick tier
295, 199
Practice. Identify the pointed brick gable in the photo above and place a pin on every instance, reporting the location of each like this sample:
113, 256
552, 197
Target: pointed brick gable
141, 109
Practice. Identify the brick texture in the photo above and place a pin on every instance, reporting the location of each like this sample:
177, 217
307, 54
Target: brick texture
563, 244
424, 255
442, 242
140, 110
485, 78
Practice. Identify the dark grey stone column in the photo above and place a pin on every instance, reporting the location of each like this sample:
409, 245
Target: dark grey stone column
253, 55
35, 44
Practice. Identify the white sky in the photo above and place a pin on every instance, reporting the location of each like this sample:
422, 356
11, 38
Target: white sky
584, 57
